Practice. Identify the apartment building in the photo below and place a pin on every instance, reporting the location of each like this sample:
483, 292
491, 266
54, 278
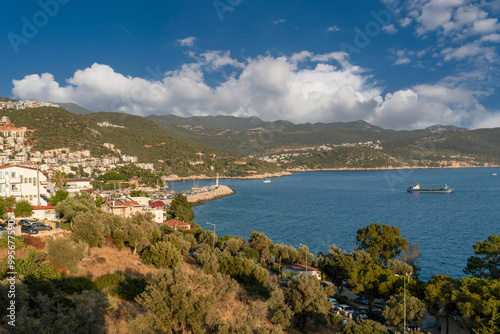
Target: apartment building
23, 183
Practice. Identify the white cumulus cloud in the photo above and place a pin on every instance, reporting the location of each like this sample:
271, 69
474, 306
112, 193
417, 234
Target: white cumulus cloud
189, 41
302, 87
390, 29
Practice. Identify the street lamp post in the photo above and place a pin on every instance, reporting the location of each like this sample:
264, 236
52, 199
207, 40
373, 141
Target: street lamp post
213, 243
306, 257
406, 275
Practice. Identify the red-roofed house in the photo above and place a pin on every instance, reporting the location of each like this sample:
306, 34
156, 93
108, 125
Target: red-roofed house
122, 208
176, 224
44, 212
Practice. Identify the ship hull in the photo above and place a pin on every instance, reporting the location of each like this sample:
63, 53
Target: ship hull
437, 191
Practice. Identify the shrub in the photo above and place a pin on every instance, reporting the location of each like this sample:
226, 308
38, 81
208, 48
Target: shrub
75, 285
65, 225
130, 288
209, 262
65, 252
101, 259
33, 267
18, 241
251, 253
23, 209
108, 281
245, 271
34, 241
164, 254
88, 228
146, 256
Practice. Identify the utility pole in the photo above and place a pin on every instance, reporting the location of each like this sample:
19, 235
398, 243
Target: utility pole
406, 275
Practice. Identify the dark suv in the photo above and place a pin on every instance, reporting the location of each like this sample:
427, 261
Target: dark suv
41, 226
28, 229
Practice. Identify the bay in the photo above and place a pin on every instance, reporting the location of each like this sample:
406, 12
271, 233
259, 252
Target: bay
322, 208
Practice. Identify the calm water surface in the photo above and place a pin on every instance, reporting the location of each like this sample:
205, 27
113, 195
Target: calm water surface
323, 208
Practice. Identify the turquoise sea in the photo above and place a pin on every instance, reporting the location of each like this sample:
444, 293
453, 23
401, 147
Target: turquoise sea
328, 207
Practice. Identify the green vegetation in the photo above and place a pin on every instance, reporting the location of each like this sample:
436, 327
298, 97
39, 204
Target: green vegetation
138, 193
181, 209
23, 208
58, 197
66, 253
74, 205
382, 242
486, 263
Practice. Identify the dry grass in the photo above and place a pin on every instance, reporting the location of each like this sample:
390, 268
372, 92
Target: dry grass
120, 313
117, 262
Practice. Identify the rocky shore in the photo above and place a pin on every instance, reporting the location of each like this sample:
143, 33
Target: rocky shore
221, 191
171, 178
295, 170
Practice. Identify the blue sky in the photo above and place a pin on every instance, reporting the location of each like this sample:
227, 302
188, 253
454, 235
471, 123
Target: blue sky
397, 64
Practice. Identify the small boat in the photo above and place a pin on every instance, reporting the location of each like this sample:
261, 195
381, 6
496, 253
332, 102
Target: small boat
267, 181
416, 189
495, 174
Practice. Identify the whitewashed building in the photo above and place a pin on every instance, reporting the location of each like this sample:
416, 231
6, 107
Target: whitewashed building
71, 185
23, 183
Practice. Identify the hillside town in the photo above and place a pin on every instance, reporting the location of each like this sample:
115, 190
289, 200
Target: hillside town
33, 176
21, 105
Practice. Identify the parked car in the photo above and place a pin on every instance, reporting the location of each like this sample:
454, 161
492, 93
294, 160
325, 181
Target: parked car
380, 305
41, 226
323, 284
26, 222
23, 222
333, 301
360, 300
3, 230
28, 229
360, 316
363, 309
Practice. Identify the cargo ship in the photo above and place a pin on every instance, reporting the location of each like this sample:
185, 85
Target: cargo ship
416, 189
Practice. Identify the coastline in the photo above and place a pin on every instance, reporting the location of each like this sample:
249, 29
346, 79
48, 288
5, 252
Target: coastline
298, 170
196, 199
172, 178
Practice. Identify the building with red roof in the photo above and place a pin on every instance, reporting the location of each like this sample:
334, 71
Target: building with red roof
176, 224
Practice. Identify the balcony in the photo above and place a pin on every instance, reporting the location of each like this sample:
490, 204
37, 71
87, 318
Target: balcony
2, 181
16, 193
3, 194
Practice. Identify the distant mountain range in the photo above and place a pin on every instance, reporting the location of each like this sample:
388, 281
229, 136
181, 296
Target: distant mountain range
139, 136
74, 108
176, 140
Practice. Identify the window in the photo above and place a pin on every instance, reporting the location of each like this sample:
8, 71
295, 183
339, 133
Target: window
13, 174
